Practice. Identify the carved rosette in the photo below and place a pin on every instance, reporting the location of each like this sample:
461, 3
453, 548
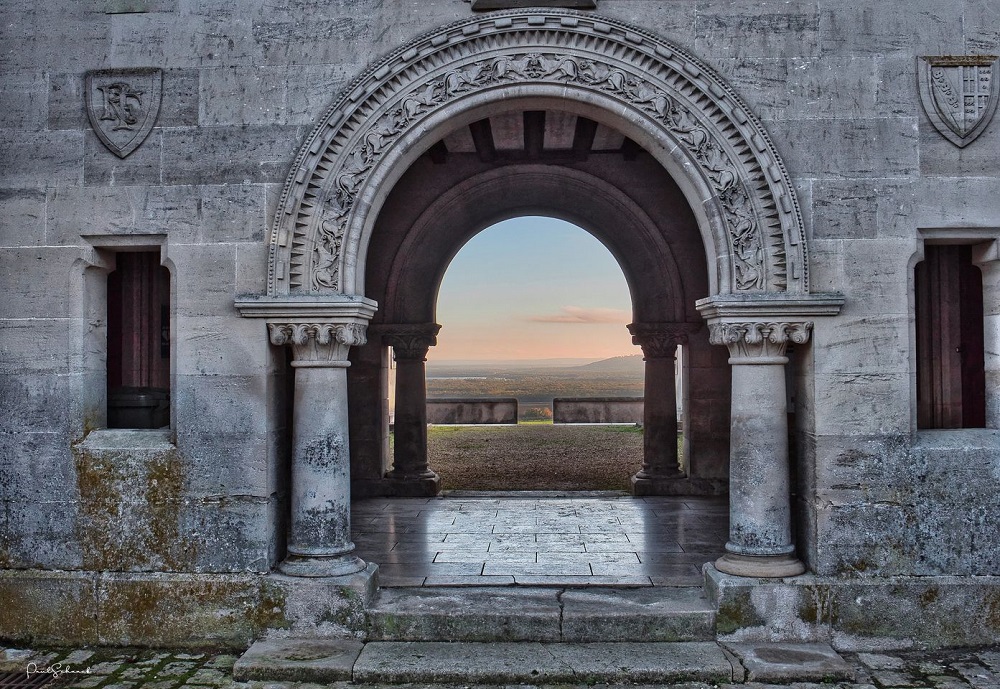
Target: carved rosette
318, 344
682, 98
660, 340
764, 341
410, 342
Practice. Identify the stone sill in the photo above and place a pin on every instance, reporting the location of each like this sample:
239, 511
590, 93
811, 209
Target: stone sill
942, 439
157, 439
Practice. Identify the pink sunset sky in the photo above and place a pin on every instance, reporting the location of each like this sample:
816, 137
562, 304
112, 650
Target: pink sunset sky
533, 288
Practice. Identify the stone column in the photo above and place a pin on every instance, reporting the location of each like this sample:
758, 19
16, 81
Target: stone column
410, 475
760, 534
319, 542
659, 437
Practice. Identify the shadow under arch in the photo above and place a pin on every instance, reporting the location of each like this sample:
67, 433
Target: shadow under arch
659, 290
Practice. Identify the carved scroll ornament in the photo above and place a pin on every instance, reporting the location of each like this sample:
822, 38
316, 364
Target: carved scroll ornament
318, 342
759, 340
686, 101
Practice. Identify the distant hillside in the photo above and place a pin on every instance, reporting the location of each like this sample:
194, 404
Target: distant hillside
618, 364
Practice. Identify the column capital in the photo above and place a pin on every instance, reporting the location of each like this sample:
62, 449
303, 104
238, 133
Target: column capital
409, 341
660, 340
318, 344
759, 341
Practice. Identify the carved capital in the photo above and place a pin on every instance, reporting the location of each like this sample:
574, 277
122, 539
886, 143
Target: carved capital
318, 344
759, 340
410, 341
660, 340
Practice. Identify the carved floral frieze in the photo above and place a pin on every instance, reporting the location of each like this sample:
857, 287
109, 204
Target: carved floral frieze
319, 212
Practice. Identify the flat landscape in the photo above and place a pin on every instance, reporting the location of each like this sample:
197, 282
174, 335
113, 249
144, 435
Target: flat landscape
535, 455
535, 383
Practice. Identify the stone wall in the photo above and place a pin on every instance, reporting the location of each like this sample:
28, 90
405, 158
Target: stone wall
469, 410
834, 82
597, 410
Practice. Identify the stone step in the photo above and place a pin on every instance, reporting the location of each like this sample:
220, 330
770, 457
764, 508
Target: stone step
400, 662
324, 661
397, 662
541, 614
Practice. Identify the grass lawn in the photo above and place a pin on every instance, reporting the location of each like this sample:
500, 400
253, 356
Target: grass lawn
535, 456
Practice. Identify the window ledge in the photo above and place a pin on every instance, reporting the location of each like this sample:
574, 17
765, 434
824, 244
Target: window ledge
957, 439
128, 439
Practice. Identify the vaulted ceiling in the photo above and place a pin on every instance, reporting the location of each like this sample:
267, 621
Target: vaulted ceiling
550, 136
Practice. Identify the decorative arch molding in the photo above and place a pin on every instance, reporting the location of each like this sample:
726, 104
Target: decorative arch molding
682, 111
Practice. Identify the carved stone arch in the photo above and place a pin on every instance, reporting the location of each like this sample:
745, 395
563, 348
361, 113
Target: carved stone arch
670, 102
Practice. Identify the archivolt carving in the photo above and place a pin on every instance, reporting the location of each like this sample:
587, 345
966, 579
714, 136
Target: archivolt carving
688, 103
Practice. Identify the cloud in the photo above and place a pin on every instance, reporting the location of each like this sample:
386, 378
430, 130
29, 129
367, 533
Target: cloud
577, 314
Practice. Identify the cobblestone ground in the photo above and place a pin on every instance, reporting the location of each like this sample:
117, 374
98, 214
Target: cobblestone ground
106, 668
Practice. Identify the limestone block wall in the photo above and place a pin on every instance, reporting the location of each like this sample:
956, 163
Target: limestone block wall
597, 410
834, 82
472, 410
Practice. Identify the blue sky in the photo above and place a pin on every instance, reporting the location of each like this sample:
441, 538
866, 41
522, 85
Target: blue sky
533, 288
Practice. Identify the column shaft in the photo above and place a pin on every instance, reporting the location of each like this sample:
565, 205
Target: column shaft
411, 476
410, 449
319, 539
760, 535
660, 467
659, 417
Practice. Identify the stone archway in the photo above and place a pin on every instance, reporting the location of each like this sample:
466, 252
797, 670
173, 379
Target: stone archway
655, 92
667, 101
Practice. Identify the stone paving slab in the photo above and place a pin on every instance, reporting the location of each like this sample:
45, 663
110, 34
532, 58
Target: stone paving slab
476, 663
662, 614
776, 662
298, 660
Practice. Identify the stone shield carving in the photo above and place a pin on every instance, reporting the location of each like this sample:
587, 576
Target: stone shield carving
959, 95
122, 106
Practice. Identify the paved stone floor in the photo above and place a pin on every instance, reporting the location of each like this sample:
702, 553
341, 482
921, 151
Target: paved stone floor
155, 669
537, 539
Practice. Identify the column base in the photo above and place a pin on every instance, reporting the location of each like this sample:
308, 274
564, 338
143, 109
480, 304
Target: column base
318, 566
422, 486
646, 485
763, 567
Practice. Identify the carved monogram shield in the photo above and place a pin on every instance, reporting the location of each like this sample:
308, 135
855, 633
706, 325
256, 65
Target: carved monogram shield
123, 105
959, 94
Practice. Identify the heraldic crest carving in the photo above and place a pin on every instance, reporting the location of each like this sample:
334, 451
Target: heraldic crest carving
122, 106
959, 94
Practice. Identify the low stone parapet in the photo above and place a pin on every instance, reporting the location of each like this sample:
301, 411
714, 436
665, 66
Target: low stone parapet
597, 410
472, 410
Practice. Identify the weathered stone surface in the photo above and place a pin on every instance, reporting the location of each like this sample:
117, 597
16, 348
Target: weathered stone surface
657, 614
398, 662
791, 662
48, 607
465, 614
897, 511
298, 660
